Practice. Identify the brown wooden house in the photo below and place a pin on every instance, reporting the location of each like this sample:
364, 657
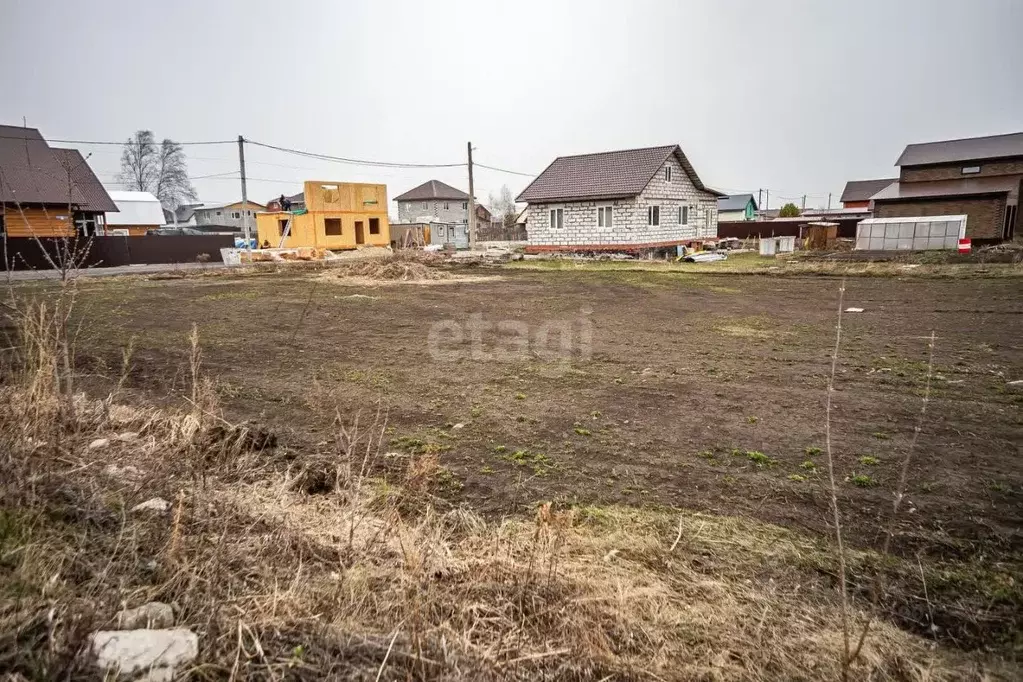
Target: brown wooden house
981, 177
47, 192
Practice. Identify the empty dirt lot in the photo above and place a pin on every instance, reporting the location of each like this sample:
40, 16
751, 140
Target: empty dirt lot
675, 390
684, 375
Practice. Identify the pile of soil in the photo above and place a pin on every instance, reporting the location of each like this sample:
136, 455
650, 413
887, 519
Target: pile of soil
394, 269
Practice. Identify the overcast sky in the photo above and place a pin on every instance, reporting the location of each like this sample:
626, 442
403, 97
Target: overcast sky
794, 96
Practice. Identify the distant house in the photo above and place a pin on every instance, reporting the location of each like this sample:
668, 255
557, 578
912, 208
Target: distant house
230, 216
182, 216
980, 177
137, 214
857, 193
435, 201
632, 200
47, 192
737, 207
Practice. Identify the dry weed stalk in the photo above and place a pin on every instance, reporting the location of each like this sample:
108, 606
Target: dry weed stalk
833, 487
900, 493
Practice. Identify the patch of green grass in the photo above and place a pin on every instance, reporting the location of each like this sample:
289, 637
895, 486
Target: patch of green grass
582, 432
752, 420
418, 446
809, 465
738, 452
475, 412
520, 396
1000, 487
706, 454
540, 463
869, 460
880, 435
595, 414
759, 458
500, 448
862, 481
487, 469
797, 477
812, 451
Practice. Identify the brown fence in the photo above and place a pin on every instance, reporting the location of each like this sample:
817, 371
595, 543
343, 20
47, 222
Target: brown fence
26, 253
499, 233
745, 229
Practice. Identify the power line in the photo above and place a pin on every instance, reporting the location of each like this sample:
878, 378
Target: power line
503, 170
101, 142
357, 162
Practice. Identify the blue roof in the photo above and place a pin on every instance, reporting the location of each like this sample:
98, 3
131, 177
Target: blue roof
736, 202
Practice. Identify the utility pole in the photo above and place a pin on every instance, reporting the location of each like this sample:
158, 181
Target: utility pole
245, 191
760, 199
829, 201
804, 204
767, 205
472, 202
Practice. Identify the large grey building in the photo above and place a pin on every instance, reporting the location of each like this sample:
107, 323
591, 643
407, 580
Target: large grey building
433, 201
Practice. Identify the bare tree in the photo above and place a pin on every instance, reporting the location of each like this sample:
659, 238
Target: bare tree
158, 168
502, 206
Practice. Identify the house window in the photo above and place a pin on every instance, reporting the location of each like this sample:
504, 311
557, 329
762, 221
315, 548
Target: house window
85, 224
557, 218
218, 212
426, 205
604, 216
374, 225
332, 227
683, 215
465, 221
653, 216
971, 170
446, 206
282, 225
236, 215
465, 205
667, 173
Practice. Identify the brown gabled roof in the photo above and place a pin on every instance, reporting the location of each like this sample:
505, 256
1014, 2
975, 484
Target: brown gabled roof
862, 190
433, 189
999, 184
605, 175
968, 149
96, 197
30, 173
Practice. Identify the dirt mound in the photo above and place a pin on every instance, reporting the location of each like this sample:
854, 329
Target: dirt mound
397, 268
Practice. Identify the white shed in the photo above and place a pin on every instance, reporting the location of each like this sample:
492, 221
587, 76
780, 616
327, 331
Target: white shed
137, 212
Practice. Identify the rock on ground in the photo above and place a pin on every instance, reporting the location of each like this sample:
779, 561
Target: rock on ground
155, 504
154, 615
153, 653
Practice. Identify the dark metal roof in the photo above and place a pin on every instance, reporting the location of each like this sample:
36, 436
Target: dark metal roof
999, 184
96, 197
736, 202
969, 149
30, 173
605, 175
433, 189
862, 190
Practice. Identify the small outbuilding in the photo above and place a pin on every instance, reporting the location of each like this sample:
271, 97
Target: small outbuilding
137, 214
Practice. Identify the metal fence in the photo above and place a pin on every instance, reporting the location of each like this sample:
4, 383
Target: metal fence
28, 253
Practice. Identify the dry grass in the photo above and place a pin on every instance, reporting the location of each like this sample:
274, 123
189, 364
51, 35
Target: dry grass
336, 563
404, 266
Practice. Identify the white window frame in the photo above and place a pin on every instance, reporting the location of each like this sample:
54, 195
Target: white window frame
653, 215
683, 215
970, 170
556, 214
605, 216
667, 173
426, 205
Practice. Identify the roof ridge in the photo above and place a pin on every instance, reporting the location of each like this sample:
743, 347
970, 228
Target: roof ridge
964, 139
618, 151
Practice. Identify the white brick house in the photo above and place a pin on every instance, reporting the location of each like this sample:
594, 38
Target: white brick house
631, 200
